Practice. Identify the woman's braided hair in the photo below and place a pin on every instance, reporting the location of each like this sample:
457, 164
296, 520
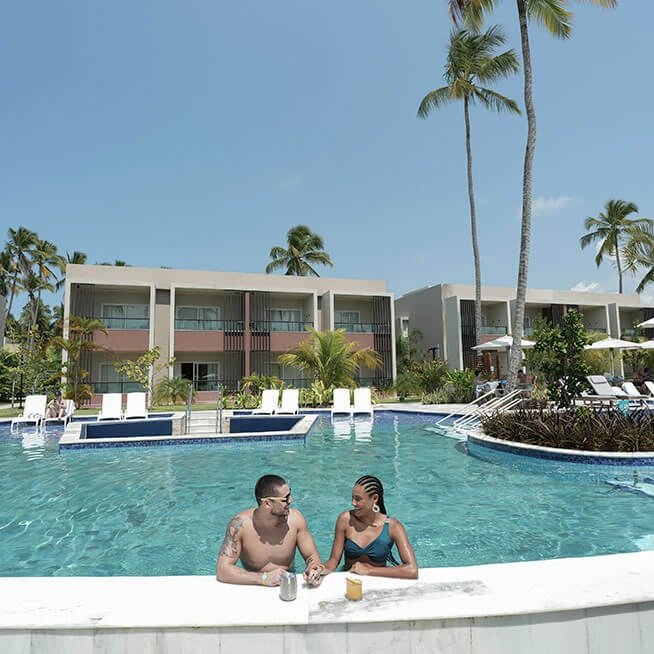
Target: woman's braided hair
373, 486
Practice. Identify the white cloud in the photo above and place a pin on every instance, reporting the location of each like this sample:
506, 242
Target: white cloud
548, 206
289, 183
593, 287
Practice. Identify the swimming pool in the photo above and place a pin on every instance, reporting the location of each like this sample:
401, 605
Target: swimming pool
163, 511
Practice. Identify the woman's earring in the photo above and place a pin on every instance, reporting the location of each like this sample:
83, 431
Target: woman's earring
375, 508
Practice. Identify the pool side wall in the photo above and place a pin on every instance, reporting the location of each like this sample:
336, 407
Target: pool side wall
568, 606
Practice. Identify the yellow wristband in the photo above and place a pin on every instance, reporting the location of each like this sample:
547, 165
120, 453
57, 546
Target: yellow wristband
264, 576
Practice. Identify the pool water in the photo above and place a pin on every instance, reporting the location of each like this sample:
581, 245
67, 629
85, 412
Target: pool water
163, 510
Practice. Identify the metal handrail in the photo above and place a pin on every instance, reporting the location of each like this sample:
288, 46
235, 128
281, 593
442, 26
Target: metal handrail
219, 410
188, 409
505, 402
467, 406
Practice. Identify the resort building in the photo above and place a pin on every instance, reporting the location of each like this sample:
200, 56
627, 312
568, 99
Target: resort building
443, 316
220, 326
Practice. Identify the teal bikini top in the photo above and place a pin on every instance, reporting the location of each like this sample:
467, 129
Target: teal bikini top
377, 551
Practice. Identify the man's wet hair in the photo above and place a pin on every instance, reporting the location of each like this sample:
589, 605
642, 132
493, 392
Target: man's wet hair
267, 486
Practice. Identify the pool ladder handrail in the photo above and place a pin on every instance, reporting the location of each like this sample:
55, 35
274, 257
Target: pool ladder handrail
474, 410
188, 409
219, 410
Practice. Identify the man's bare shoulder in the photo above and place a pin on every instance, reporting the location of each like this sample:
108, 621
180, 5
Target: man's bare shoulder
296, 519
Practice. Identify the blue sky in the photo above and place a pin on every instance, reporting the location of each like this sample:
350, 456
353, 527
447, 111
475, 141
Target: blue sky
194, 134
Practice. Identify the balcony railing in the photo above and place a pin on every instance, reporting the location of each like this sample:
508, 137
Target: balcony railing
116, 387
193, 325
493, 331
126, 323
364, 327
265, 326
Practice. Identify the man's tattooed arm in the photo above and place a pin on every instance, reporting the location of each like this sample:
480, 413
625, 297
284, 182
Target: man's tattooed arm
230, 546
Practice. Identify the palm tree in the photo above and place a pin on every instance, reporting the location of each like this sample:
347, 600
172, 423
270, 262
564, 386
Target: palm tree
20, 245
470, 63
304, 248
554, 16
75, 257
330, 358
5, 272
615, 231
640, 254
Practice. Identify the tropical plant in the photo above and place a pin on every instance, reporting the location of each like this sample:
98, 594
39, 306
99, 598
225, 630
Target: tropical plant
77, 258
433, 375
407, 351
20, 245
408, 383
330, 358
255, 383
558, 356
554, 16
471, 63
143, 370
304, 248
172, 390
615, 232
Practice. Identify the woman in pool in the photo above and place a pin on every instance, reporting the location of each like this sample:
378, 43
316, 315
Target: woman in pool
367, 534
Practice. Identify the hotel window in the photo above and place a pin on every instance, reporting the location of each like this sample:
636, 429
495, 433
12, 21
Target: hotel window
405, 328
205, 376
126, 316
285, 320
198, 318
111, 381
350, 321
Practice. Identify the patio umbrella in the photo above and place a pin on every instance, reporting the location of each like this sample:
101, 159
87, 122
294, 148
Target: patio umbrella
502, 343
612, 344
647, 323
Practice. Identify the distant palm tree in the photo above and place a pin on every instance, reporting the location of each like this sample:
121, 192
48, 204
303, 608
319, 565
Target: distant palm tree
640, 254
330, 358
75, 257
20, 246
554, 16
304, 248
471, 62
614, 231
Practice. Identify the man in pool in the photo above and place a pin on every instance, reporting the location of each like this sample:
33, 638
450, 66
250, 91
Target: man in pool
265, 538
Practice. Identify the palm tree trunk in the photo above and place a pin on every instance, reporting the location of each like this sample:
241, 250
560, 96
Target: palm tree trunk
473, 227
515, 358
617, 262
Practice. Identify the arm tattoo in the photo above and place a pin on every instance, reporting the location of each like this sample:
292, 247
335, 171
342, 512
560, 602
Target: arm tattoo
309, 560
230, 545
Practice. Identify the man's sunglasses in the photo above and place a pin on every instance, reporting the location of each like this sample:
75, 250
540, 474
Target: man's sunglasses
286, 499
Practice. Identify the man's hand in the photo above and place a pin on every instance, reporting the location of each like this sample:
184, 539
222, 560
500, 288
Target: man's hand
274, 577
312, 575
361, 568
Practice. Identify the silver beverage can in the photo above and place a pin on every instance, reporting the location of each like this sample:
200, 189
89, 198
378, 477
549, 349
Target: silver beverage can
288, 586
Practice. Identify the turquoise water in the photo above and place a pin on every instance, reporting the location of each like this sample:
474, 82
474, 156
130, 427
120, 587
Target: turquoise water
163, 511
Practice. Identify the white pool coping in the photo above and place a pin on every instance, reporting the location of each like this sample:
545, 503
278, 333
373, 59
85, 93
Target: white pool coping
439, 593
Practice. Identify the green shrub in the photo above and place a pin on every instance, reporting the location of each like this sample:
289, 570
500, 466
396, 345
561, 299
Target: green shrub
580, 428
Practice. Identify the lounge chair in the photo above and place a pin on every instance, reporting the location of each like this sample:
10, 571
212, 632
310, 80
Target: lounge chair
111, 407
638, 398
341, 402
649, 386
135, 408
33, 411
269, 401
290, 401
601, 386
66, 418
362, 401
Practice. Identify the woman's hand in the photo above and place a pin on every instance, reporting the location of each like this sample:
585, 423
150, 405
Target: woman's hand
360, 568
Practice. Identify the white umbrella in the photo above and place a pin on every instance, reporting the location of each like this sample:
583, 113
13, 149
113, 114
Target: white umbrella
647, 323
502, 343
611, 344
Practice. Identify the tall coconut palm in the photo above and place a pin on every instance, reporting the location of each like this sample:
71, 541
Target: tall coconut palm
638, 254
75, 257
471, 62
5, 274
330, 358
553, 15
20, 245
304, 248
614, 231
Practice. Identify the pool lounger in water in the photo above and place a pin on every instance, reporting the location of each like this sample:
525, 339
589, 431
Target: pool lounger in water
643, 486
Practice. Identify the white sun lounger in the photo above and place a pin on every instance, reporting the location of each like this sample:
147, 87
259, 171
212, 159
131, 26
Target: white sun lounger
111, 407
269, 401
135, 408
362, 401
33, 411
290, 401
341, 402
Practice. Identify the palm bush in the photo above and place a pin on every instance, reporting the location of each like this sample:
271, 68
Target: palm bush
172, 390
